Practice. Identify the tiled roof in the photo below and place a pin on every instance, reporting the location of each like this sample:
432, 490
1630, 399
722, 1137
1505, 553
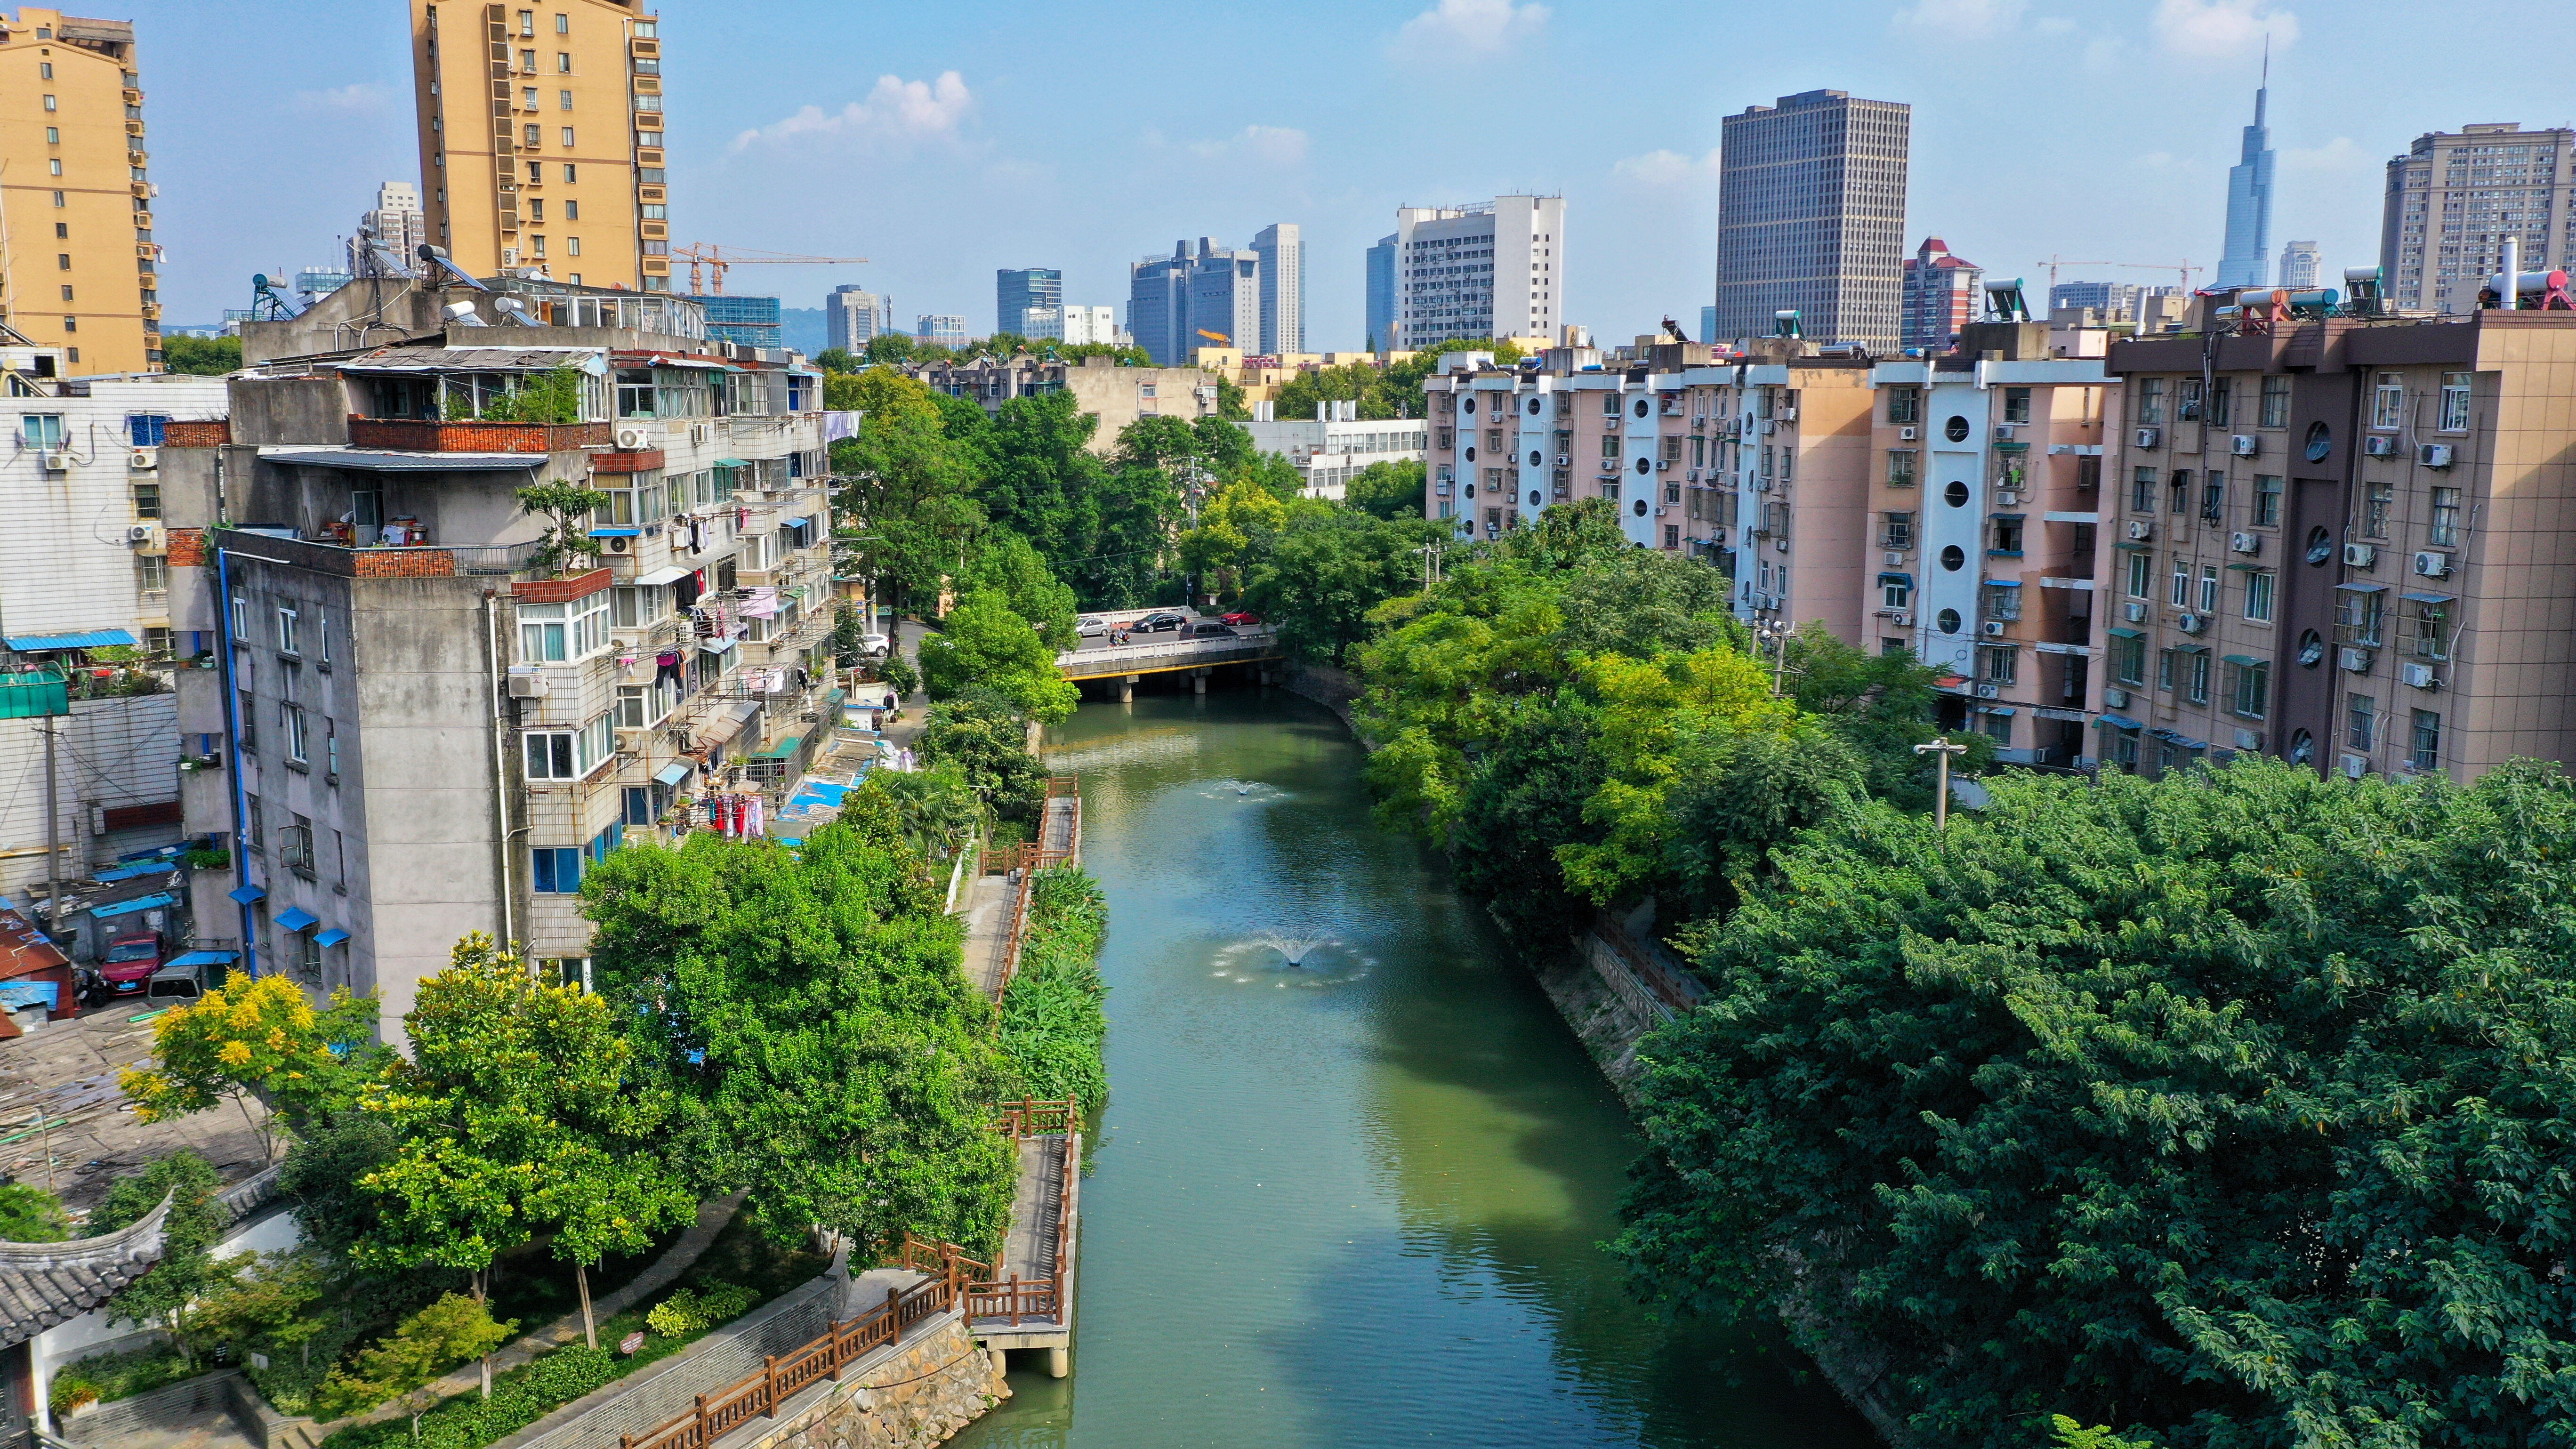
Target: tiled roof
43, 1284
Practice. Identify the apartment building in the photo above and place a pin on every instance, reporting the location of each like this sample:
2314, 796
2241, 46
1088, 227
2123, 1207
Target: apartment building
1801, 429
853, 316
417, 720
1811, 217
541, 139
944, 329
1493, 269
1091, 325
78, 264
2345, 543
2453, 197
1113, 394
1941, 295
396, 223
1332, 447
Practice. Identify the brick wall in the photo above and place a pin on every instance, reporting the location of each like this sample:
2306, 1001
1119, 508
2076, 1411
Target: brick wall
563, 591
197, 435
424, 435
404, 563
643, 461
187, 548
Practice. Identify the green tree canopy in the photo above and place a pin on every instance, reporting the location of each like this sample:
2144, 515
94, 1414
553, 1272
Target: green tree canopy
1005, 563
985, 736
1386, 490
890, 347
1319, 574
985, 644
201, 356
188, 1272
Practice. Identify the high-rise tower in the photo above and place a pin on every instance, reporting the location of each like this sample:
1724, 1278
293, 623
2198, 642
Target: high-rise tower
74, 193
1811, 217
2249, 199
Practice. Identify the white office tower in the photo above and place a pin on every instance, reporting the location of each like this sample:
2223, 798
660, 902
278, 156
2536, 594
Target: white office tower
1495, 269
1283, 288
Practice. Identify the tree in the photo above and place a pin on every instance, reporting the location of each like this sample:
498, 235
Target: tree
410, 1359
890, 347
1386, 490
257, 1040
1041, 479
986, 738
320, 1178
1129, 355
1005, 563
985, 644
568, 507
811, 1008
263, 1305
909, 485
836, 359
1227, 525
1350, 382
29, 1214
201, 356
2214, 1111
935, 810
188, 1272
1882, 705
1317, 578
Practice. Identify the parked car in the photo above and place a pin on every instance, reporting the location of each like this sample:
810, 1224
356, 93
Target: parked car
183, 981
1090, 626
130, 962
1240, 617
1161, 621
874, 646
1205, 629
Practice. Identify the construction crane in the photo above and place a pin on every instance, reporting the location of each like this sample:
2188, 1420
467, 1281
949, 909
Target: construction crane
715, 259
1219, 338
2184, 267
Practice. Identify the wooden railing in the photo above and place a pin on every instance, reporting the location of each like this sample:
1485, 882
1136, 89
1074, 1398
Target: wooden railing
759, 1395
1028, 1118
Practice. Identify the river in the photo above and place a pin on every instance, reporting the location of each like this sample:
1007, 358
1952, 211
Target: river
1356, 1201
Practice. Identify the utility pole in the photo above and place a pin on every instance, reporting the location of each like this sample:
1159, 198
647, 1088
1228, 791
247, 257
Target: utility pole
1775, 634
53, 849
1943, 749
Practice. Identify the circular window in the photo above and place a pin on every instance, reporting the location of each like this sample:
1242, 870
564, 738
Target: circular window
2320, 545
2312, 649
1533, 498
1471, 453
1956, 430
1537, 458
2320, 442
1948, 622
1954, 558
1468, 407
2303, 747
1645, 465
1641, 407
1469, 490
1640, 507
1956, 495
1533, 407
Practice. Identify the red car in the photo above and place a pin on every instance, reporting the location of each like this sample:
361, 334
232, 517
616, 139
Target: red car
130, 962
1239, 618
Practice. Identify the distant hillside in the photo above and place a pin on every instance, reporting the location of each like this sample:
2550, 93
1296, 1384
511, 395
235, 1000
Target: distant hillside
802, 328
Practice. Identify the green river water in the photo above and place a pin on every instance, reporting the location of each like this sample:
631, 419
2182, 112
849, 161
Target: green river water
1356, 1202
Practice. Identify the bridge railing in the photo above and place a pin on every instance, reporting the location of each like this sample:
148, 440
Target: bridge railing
1246, 644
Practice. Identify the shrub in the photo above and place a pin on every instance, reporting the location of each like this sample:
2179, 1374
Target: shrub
1053, 1025
695, 1310
70, 1392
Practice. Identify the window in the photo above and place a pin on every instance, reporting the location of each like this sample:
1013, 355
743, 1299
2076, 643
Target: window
1898, 532
533, 134
563, 25
2428, 628
2388, 408
2446, 518
43, 431
2003, 601
2250, 696
536, 209
256, 832
322, 636
567, 135
1894, 593
2359, 615
570, 754
2165, 669
528, 60
241, 618
2142, 491
295, 846
146, 430
1900, 468
2360, 722
2455, 402
288, 631
2141, 576
552, 633
2377, 499
152, 575
1904, 405
339, 859
2178, 492
49, 104
563, 100
2213, 497
2426, 753
246, 715
2218, 402
557, 870
2151, 400
2129, 659
572, 245
2267, 500
2181, 594
2209, 588
642, 706
637, 806
528, 98
607, 840
292, 717
569, 170
330, 748
563, 62
2187, 400
2000, 666
572, 212
2276, 401
2197, 688
2258, 595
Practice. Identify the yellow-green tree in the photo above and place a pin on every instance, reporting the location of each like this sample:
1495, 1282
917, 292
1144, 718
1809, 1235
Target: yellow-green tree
410, 1359
1228, 525
257, 1040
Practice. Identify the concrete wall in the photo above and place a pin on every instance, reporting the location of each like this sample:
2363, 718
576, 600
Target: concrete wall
306, 410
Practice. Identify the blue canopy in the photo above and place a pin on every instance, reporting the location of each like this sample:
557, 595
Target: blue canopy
673, 773
129, 872
2117, 722
247, 894
91, 639
297, 918
127, 908
204, 958
331, 937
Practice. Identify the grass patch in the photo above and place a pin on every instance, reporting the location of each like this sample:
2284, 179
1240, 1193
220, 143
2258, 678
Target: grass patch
1053, 1021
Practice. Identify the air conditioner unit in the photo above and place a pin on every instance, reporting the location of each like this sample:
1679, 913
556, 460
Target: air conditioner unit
1902, 618
1563, 461
2433, 565
2191, 623
700, 432
2248, 740
2433, 455
620, 545
1789, 412
143, 460
1907, 435
54, 462
2115, 698
1992, 628
1762, 487
2378, 445
1769, 427
1781, 544
2134, 611
2361, 555
1663, 465
528, 686
143, 535
2008, 499
2140, 530
2421, 676
2245, 542
634, 440
2356, 766
2150, 437
2244, 445
2353, 660
1694, 475
1894, 558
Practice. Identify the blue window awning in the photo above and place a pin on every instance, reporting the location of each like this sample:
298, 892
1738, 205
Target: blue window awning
297, 918
799, 522
717, 646
2429, 598
331, 937
2004, 710
2117, 722
113, 909
249, 893
90, 639
2003, 583
617, 533
673, 773
204, 958
129, 872
1905, 579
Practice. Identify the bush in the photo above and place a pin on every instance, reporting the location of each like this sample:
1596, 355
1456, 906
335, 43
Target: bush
112, 1376
1053, 1024
896, 670
519, 1398
695, 1310
71, 1391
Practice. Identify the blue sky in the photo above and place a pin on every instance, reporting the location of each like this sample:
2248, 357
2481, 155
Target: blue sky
943, 141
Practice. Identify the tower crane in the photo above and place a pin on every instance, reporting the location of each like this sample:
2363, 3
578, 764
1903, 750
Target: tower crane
2184, 267
716, 259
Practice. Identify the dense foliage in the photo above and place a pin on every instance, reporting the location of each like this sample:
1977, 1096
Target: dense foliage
986, 737
985, 645
1053, 1027
2229, 1110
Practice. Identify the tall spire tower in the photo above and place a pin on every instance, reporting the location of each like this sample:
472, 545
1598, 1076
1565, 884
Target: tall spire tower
2249, 196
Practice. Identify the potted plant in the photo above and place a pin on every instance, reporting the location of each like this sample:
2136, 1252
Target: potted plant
567, 506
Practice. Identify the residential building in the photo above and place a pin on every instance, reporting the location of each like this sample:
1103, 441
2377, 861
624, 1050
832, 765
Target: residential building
1941, 295
541, 140
425, 722
1381, 295
396, 224
1811, 218
1493, 269
1158, 306
2342, 540
1334, 446
2249, 201
1113, 394
751, 321
853, 317
1224, 298
942, 328
79, 267
1282, 250
1091, 325
2137, 305
2299, 265
2454, 196
1019, 291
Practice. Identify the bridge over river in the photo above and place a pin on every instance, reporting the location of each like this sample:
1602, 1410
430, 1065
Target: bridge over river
1123, 666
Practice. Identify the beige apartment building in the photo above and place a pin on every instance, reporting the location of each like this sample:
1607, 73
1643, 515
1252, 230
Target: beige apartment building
77, 260
541, 139
2348, 541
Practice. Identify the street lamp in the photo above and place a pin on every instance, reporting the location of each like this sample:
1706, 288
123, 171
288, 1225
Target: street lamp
1774, 633
1943, 749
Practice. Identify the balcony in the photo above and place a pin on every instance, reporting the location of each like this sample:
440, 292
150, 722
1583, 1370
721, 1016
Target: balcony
425, 435
412, 561
134, 129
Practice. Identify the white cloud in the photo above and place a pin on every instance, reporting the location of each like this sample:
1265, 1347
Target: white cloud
1268, 145
1457, 30
2342, 154
1666, 168
2221, 29
355, 99
1962, 19
2163, 161
896, 110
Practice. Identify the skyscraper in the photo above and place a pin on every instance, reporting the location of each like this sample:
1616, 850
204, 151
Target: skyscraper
1494, 269
1381, 294
1225, 300
541, 140
853, 316
1158, 305
1018, 291
73, 190
397, 225
1283, 287
2470, 189
1811, 216
2299, 264
2249, 200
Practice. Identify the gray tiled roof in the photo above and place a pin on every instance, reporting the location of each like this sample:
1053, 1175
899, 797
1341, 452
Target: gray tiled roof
43, 1284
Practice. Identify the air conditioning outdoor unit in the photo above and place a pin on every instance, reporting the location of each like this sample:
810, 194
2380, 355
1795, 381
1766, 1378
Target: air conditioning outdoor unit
1789, 412
143, 460
1894, 558
2008, 499
1781, 544
2191, 623
2421, 676
1992, 628
2116, 698
2355, 766
620, 545
2150, 437
528, 686
2134, 611
2245, 542
1903, 618
1563, 461
54, 462
142, 534
2003, 432
700, 432
2433, 565
634, 440
1663, 465
1769, 427
1989, 691
2433, 455
2354, 660
1694, 475
2140, 530
1907, 435
2378, 445
2244, 445
2248, 740
2361, 555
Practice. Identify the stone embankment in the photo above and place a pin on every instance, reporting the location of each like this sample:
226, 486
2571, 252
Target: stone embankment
935, 1384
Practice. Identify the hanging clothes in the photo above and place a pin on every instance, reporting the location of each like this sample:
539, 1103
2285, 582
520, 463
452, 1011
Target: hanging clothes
666, 666
754, 821
685, 590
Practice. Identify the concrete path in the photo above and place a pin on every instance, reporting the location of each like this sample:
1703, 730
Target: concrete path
987, 909
213, 1429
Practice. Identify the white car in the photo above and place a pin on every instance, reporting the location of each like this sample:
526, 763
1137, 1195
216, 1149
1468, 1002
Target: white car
874, 646
1091, 626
